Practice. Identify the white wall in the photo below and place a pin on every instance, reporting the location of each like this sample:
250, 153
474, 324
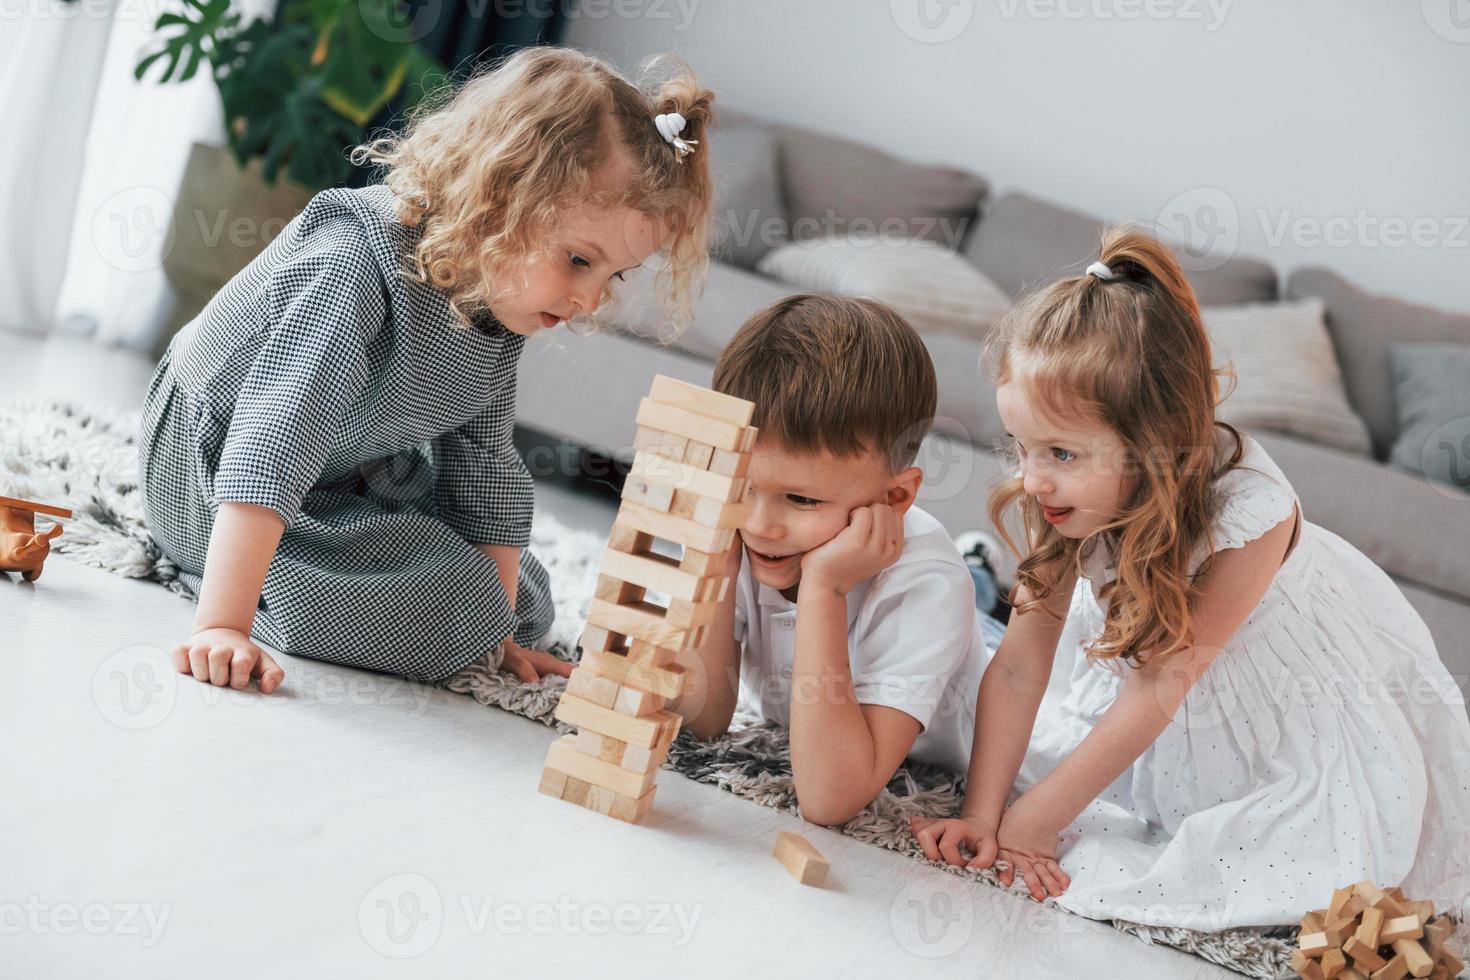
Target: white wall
1347, 118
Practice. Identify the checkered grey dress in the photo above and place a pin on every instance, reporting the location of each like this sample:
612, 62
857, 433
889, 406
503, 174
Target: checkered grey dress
322, 383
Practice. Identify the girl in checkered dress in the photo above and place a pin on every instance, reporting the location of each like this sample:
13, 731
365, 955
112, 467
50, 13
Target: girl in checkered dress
326, 449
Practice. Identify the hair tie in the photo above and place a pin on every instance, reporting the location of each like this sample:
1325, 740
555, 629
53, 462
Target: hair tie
1102, 272
670, 125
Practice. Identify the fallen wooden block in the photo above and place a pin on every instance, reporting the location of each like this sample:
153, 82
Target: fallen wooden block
1375, 933
799, 857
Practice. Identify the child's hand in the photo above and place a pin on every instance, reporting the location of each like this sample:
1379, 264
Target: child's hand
1028, 844
872, 540
531, 665
223, 657
942, 840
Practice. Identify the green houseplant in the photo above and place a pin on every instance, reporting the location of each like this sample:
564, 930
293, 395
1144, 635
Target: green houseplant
297, 91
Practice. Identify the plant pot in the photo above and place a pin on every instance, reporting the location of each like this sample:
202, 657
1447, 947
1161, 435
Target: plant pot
223, 217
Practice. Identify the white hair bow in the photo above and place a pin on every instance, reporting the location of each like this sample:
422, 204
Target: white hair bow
670, 125
1101, 271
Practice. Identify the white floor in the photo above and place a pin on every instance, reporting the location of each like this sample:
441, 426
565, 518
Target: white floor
354, 825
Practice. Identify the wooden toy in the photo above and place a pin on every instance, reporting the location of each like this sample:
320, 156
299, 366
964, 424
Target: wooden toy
799, 857
687, 487
21, 548
1367, 931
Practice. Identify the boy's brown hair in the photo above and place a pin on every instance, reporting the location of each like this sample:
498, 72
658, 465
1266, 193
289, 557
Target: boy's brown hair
836, 374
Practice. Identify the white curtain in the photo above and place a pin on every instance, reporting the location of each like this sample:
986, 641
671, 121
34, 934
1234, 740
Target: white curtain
106, 201
51, 57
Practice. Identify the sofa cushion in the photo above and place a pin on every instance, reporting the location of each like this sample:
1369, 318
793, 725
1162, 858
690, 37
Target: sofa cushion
1362, 326
1286, 375
730, 296
1024, 243
749, 216
930, 286
1431, 385
835, 187
1409, 527
966, 395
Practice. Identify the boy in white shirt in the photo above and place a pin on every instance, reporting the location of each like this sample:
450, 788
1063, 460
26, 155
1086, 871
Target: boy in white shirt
852, 621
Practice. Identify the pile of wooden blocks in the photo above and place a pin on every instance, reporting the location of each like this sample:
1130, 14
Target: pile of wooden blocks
687, 487
1372, 932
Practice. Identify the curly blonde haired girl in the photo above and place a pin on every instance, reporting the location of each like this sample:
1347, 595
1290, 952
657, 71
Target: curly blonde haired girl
326, 450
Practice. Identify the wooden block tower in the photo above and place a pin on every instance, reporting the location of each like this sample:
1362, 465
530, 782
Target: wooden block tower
687, 487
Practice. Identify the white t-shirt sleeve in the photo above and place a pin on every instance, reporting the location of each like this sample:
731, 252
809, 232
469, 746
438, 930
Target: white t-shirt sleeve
912, 635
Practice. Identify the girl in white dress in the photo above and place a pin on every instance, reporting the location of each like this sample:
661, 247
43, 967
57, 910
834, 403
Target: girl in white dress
1260, 717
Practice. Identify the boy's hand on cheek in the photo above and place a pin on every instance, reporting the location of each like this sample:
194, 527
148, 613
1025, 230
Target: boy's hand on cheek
872, 540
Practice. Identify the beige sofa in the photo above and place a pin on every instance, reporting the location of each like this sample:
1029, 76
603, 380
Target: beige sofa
586, 389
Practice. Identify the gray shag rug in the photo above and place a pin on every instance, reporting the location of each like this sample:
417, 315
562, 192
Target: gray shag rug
87, 460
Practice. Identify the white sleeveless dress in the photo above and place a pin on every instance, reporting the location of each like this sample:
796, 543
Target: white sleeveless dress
1326, 744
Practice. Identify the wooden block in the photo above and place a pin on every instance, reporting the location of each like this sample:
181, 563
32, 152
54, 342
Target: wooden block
689, 615
1312, 970
1339, 899
747, 441
679, 530
599, 746
1369, 926
1299, 960
1340, 930
698, 455
1334, 961
592, 687
629, 539
564, 757
631, 810
617, 591
1364, 956
1315, 921
1404, 927
799, 857
1416, 957
1397, 893
589, 795
1394, 969
707, 510
631, 701
1452, 963
703, 564
702, 428
1314, 943
35, 507
667, 681
635, 758
597, 638
727, 462
693, 398
657, 441
656, 572
644, 731
639, 620
1352, 974
1423, 910
1436, 931
645, 654
681, 476
640, 488
553, 783
642, 758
